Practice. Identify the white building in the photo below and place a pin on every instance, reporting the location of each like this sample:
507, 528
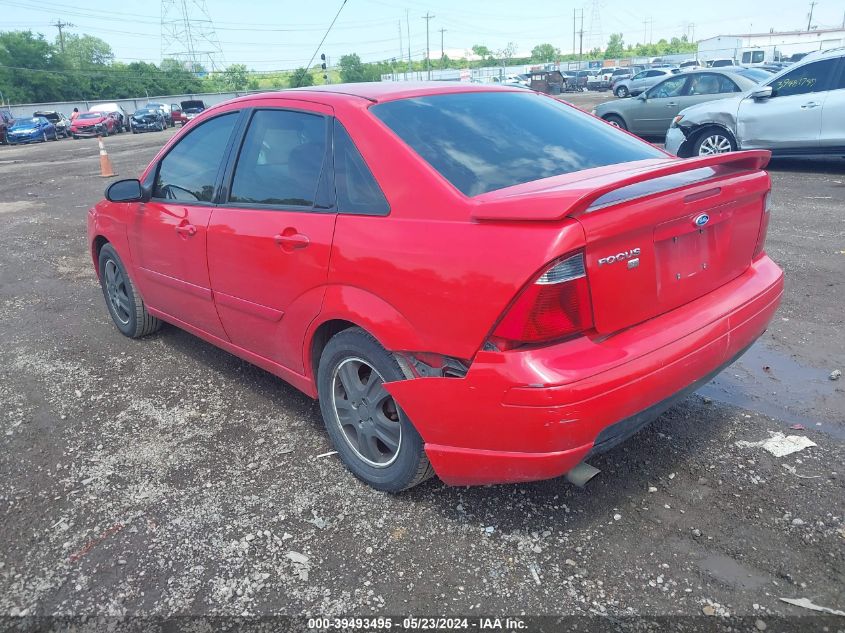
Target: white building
772, 46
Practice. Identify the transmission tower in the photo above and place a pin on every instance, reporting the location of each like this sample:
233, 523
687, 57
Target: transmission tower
595, 35
188, 36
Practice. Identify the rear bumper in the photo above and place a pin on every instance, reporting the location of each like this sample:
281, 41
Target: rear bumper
528, 415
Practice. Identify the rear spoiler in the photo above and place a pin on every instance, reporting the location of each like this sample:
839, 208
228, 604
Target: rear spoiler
576, 197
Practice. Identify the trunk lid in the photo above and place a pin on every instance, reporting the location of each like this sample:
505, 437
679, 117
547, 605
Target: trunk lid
658, 235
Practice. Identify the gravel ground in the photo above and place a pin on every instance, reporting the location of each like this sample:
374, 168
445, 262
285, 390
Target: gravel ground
164, 476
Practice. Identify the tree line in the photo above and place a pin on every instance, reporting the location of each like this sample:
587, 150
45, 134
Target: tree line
83, 67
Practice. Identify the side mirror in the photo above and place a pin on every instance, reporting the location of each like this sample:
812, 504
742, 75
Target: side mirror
129, 190
762, 93
643, 96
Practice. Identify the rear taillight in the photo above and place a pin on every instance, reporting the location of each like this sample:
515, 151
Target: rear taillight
555, 305
764, 225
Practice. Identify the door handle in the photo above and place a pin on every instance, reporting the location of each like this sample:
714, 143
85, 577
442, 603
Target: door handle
671, 104
810, 104
187, 230
289, 239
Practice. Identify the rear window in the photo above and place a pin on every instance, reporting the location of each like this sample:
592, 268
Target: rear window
485, 141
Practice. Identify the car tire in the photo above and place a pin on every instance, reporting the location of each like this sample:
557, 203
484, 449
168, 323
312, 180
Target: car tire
368, 423
75, 137
713, 140
622, 92
125, 305
616, 121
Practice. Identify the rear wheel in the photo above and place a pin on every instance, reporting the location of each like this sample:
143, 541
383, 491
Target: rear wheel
372, 435
622, 92
616, 121
125, 305
713, 140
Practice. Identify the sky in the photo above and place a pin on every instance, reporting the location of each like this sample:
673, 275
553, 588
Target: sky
283, 34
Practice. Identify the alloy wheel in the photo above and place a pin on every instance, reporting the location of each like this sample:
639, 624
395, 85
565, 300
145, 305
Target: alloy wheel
366, 414
116, 291
714, 144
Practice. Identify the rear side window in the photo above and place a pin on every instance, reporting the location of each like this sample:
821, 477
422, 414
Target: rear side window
484, 141
673, 87
357, 189
710, 84
805, 79
189, 171
281, 160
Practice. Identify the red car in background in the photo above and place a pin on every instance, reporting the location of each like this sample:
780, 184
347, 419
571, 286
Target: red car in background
93, 124
479, 282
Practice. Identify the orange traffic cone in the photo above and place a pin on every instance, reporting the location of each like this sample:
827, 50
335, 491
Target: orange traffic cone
106, 169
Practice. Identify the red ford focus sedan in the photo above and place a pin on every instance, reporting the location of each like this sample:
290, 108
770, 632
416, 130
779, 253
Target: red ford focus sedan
479, 282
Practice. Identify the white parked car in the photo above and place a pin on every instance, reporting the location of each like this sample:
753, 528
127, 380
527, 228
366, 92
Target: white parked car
798, 112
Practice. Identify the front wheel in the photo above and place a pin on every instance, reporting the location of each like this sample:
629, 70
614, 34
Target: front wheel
372, 435
713, 141
125, 305
616, 121
622, 92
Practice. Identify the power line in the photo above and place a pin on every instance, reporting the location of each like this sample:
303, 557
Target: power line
342, 4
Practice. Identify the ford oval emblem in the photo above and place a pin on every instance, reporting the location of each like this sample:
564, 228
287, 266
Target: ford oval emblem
701, 220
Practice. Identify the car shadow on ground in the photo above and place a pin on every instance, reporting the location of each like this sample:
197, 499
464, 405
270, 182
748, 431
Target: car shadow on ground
805, 165
627, 471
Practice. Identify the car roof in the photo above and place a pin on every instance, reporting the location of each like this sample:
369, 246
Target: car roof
378, 92
829, 53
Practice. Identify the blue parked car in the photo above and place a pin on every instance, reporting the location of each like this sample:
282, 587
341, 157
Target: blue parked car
30, 130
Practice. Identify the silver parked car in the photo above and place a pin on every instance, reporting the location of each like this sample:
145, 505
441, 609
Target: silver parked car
652, 111
797, 112
642, 81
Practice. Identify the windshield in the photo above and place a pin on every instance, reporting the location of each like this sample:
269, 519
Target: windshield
754, 74
145, 111
485, 141
27, 122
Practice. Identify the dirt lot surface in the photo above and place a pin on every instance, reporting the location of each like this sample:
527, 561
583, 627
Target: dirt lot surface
163, 476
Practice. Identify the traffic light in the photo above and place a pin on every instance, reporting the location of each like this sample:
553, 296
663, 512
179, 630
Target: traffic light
323, 57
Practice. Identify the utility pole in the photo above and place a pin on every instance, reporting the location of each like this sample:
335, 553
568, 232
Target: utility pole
427, 17
581, 39
408, 27
442, 50
401, 45
573, 30
60, 25
810, 19
579, 48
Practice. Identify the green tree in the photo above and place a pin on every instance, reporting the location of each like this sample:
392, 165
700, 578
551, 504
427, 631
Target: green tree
301, 77
544, 53
30, 68
615, 46
351, 68
482, 51
84, 51
235, 77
